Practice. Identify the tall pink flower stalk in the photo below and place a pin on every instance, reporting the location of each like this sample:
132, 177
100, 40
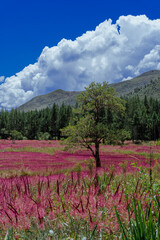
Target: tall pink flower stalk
23, 199
35, 198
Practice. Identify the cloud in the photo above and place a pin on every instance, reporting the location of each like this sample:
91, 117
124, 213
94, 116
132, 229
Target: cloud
112, 52
125, 79
2, 78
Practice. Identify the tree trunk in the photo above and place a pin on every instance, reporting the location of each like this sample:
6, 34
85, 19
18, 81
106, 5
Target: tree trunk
97, 158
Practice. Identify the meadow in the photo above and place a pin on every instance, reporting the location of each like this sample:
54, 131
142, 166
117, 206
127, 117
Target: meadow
48, 192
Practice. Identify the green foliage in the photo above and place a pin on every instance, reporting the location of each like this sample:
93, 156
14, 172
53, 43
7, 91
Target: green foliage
43, 136
9, 234
96, 97
90, 165
42, 124
123, 135
158, 143
48, 150
55, 230
150, 89
144, 220
145, 224
91, 127
15, 135
141, 119
4, 133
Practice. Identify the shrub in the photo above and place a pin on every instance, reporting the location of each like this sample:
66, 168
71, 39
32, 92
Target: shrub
43, 136
15, 135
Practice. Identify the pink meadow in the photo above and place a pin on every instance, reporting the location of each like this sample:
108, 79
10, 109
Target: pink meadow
39, 181
34, 157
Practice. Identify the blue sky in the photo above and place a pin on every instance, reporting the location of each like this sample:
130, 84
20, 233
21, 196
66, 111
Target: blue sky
50, 44
28, 26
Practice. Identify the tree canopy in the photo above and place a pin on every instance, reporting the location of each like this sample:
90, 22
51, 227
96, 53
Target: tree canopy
90, 122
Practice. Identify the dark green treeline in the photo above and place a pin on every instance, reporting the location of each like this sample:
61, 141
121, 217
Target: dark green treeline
42, 124
141, 120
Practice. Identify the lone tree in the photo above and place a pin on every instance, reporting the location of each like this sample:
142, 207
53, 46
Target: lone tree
89, 126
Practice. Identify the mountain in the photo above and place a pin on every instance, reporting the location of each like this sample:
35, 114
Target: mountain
131, 86
58, 96
147, 84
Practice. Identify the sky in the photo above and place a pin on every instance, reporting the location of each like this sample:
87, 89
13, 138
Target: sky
49, 44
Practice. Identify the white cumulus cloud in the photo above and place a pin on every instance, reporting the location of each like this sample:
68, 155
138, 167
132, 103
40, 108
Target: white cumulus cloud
2, 78
112, 52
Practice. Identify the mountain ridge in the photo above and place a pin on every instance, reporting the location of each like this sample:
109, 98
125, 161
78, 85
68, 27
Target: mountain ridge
148, 83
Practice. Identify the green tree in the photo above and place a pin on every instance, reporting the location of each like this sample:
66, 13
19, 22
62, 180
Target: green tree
54, 116
91, 128
15, 135
63, 118
4, 133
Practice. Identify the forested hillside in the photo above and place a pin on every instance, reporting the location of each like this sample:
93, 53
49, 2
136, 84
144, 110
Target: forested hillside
141, 120
150, 89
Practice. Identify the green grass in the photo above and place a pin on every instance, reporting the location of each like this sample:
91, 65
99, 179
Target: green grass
155, 155
143, 223
48, 150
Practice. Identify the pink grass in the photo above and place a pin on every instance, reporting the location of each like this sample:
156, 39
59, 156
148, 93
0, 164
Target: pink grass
61, 161
23, 198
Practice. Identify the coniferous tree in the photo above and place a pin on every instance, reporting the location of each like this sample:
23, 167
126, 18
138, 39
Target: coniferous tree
54, 118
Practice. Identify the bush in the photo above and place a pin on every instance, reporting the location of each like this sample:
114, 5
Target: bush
15, 135
4, 133
43, 136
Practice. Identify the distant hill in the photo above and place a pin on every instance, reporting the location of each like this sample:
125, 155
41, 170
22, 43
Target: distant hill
147, 83
130, 86
152, 89
58, 96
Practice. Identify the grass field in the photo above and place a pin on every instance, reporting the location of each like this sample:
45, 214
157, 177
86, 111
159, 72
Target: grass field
49, 193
